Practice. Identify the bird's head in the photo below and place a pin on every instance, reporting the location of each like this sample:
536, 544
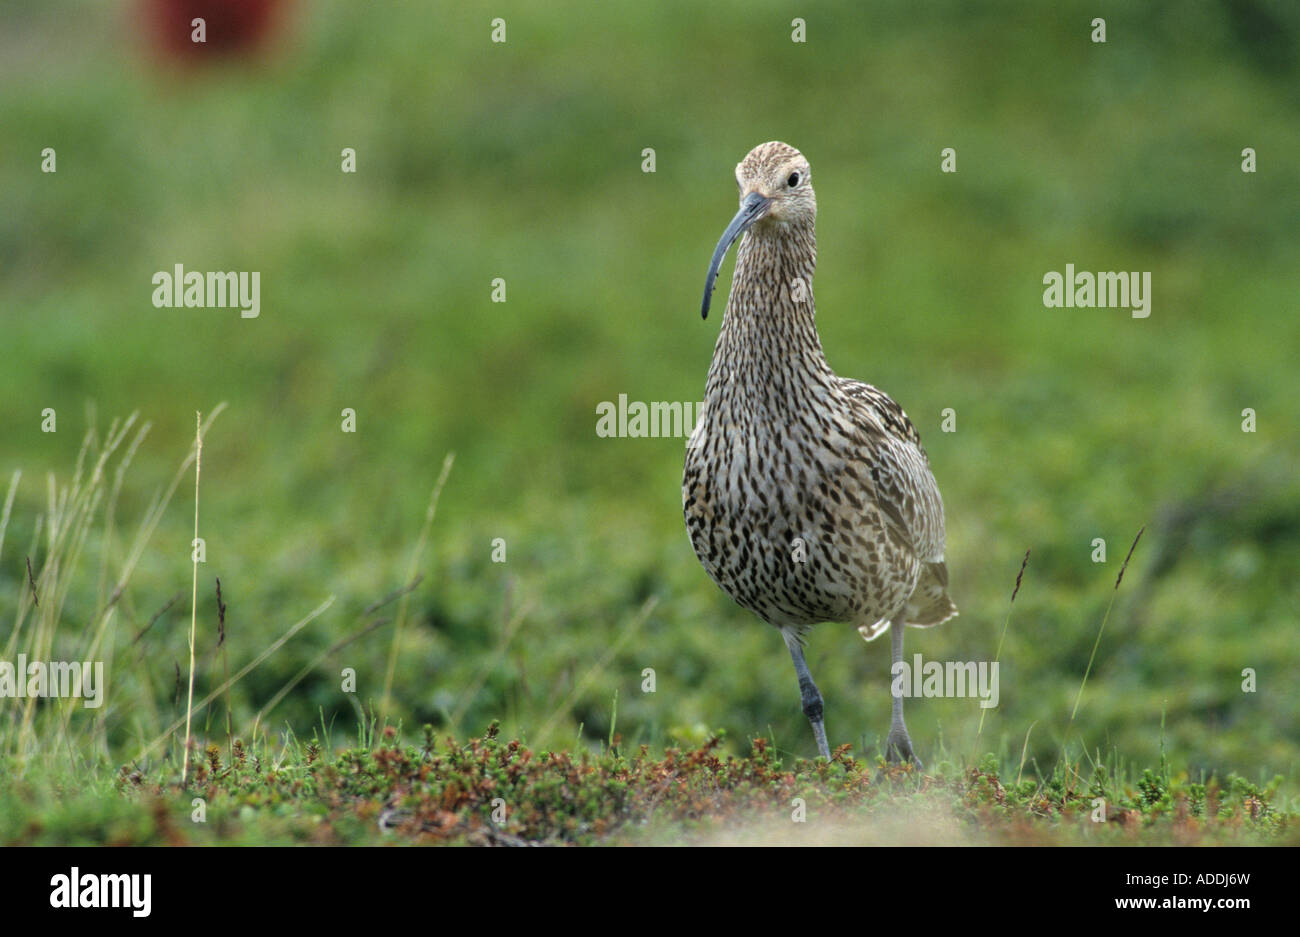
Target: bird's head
775, 191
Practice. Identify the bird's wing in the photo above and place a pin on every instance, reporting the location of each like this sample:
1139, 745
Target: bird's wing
905, 489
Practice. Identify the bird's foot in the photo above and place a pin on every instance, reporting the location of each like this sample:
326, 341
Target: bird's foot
898, 747
819, 732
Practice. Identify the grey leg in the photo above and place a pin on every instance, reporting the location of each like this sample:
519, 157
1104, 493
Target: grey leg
898, 747
809, 695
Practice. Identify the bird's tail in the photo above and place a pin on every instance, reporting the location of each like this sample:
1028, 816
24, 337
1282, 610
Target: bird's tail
929, 605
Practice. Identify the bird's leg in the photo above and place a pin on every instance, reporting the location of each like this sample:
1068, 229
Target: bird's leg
898, 747
809, 695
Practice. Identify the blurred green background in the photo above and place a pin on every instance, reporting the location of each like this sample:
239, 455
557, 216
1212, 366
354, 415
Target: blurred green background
523, 160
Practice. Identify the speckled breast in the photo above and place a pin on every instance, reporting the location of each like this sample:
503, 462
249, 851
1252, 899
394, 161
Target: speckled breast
781, 521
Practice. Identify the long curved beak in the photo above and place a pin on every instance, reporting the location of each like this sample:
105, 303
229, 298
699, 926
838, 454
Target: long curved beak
754, 207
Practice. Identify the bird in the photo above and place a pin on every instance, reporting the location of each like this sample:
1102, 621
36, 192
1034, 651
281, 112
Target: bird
808, 497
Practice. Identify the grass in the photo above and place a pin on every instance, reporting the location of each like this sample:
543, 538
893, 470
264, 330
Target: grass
486, 791
523, 162
194, 593
489, 791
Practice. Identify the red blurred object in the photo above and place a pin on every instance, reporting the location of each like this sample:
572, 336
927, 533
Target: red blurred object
233, 27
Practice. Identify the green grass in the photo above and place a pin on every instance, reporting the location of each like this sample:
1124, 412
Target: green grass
488, 791
523, 161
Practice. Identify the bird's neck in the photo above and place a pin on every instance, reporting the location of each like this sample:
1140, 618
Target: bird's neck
768, 341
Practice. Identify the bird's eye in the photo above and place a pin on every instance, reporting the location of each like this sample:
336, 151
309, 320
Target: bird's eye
793, 180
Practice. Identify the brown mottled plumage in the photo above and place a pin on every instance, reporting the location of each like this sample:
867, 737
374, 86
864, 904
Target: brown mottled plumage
808, 497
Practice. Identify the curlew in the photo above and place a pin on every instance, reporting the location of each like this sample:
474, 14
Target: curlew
808, 497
